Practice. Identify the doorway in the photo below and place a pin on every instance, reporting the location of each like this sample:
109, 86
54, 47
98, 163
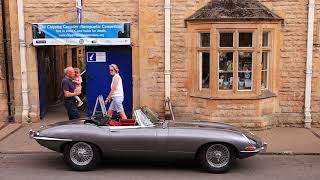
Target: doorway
98, 77
52, 60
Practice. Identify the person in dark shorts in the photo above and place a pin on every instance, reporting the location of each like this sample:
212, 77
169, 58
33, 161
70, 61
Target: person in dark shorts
69, 93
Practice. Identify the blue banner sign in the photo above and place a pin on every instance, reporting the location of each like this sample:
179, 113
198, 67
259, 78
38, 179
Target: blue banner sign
81, 34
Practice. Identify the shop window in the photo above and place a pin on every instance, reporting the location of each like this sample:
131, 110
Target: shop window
238, 59
233, 63
243, 50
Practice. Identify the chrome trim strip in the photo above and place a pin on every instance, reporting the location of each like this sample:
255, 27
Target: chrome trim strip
51, 139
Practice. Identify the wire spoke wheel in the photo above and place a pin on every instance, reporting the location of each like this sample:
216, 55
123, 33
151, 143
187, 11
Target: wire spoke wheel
81, 153
217, 155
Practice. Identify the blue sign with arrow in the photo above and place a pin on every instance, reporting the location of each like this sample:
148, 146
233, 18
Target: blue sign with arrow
96, 57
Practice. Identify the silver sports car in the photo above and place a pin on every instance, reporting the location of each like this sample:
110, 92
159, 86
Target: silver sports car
85, 142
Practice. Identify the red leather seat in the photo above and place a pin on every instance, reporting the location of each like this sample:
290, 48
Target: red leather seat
122, 122
114, 123
127, 122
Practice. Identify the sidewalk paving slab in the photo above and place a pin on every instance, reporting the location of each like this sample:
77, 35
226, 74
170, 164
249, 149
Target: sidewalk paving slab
290, 140
8, 130
316, 130
2, 124
20, 141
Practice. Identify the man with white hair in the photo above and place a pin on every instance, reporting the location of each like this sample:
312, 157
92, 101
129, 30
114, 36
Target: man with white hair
69, 93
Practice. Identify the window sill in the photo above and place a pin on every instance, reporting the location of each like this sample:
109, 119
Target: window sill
265, 95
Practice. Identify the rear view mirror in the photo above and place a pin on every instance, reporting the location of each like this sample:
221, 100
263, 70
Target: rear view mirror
154, 117
165, 124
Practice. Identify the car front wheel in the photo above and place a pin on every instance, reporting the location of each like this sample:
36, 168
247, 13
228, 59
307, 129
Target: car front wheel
81, 156
217, 158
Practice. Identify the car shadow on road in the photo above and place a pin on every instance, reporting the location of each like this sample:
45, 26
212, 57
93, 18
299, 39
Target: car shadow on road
138, 164
165, 165
55, 161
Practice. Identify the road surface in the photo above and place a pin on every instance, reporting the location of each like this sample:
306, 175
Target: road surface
50, 166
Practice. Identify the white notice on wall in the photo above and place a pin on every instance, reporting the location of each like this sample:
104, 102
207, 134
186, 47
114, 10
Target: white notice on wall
96, 56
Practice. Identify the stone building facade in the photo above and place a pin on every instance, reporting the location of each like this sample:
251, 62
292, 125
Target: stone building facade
282, 103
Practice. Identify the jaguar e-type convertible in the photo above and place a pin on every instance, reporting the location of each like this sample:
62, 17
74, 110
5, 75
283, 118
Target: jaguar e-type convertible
85, 142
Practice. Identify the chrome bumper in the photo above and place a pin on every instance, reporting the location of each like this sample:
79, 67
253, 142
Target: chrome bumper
246, 154
263, 148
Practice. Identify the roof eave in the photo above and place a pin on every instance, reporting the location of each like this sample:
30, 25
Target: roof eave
227, 20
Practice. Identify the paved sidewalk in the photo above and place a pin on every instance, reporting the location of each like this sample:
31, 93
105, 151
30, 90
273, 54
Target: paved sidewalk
20, 141
317, 131
8, 129
291, 140
2, 124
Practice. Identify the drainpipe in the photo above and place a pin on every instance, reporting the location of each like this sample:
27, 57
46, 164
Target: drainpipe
6, 60
23, 62
167, 51
167, 47
307, 110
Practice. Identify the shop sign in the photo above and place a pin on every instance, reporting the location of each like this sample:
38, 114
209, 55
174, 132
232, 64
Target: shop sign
96, 57
81, 34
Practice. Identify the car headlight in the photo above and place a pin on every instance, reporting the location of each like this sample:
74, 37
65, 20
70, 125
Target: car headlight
250, 140
33, 133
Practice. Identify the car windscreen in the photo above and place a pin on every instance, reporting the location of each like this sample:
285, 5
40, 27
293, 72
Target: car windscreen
154, 117
144, 120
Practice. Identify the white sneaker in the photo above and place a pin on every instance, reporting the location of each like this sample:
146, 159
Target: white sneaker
80, 103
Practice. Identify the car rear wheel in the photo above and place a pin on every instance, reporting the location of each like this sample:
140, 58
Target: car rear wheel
82, 156
217, 158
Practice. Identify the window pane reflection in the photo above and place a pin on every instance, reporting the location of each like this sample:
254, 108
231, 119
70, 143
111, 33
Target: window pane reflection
264, 70
205, 65
226, 70
245, 39
264, 77
245, 70
226, 39
204, 39
265, 39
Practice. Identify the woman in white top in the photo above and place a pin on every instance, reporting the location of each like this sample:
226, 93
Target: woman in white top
116, 93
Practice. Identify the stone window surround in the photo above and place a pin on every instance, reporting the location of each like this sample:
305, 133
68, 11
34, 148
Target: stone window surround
213, 91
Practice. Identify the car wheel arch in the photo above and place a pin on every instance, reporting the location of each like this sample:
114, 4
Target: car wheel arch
63, 146
234, 148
